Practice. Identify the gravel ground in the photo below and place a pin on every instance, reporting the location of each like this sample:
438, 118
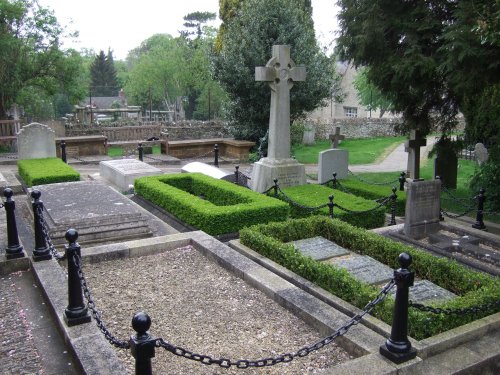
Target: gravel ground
18, 354
198, 305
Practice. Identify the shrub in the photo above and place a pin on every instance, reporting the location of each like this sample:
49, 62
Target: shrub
473, 288
315, 195
214, 206
46, 171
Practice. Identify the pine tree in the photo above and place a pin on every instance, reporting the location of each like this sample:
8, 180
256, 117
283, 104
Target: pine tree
103, 76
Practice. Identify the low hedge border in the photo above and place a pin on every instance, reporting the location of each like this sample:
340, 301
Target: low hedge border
315, 195
214, 206
473, 288
374, 192
46, 171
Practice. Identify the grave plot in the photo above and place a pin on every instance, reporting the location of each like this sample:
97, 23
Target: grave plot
471, 288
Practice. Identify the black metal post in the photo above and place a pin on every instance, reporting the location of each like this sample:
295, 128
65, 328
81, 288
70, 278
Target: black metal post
276, 187
63, 151
216, 155
398, 348
393, 207
42, 251
14, 249
334, 181
330, 206
76, 312
236, 174
441, 217
142, 345
479, 224
402, 180
140, 149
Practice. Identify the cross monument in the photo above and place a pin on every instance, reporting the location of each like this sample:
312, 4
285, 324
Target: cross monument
335, 138
281, 73
412, 146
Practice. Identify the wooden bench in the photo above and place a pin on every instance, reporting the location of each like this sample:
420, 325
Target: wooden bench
228, 147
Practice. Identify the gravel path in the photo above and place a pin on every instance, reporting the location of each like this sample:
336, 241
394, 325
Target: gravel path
196, 304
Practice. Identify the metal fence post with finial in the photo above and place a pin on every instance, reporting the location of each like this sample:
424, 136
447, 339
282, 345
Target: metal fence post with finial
63, 151
13, 249
397, 347
276, 188
42, 250
479, 224
140, 150
76, 312
330, 206
393, 207
216, 155
402, 180
142, 345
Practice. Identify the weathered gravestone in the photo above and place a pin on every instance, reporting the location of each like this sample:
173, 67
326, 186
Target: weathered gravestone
123, 172
446, 167
99, 213
36, 141
334, 160
480, 153
281, 73
308, 136
423, 207
412, 146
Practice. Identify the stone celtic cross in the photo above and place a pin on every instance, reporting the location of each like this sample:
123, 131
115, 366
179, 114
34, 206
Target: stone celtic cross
281, 72
412, 146
335, 138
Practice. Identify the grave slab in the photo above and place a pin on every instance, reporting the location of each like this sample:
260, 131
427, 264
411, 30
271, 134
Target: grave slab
123, 172
332, 161
319, 248
365, 268
206, 169
424, 291
98, 212
9, 180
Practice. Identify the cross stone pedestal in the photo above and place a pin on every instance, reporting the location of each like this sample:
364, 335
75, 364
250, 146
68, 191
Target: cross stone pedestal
412, 146
280, 72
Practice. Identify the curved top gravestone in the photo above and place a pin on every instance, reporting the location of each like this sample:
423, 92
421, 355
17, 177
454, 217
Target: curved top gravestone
36, 141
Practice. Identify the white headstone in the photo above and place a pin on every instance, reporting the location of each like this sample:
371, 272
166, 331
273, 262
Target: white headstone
332, 161
281, 73
206, 169
123, 172
36, 141
481, 153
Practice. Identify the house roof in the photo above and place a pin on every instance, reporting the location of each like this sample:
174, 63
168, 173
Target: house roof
103, 102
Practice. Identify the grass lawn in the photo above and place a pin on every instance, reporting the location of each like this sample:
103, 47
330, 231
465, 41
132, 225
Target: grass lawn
361, 151
115, 151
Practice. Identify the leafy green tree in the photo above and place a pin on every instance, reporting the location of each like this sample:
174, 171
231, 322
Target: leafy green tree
195, 21
31, 60
369, 95
103, 75
247, 43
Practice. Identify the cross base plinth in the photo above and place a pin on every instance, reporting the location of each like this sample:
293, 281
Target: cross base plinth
289, 172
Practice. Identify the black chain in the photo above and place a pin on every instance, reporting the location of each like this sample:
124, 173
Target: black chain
303, 207
371, 182
95, 313
453, 216
7, 156
283, 358
384, 202
198, 157
455, 198
464, 311
57, 255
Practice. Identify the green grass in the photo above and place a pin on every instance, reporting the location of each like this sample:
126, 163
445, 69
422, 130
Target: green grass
361, 151
116, 151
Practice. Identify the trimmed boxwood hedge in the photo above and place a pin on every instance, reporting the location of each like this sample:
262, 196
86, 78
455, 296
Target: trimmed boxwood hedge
314, 195
374, 192
214, 206
473, 288
46, 171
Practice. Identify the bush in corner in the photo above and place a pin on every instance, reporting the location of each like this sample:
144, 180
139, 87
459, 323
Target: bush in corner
46, 171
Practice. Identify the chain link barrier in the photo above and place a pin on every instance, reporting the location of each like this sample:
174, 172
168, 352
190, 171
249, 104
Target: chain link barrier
283, 358
57, 255
199, 156
383, 202
372, 182
122, 344
456, 216
464, 311
301, 206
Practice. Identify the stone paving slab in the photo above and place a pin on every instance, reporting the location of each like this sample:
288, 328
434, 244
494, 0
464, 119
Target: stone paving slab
319, 248
9, 179
365, 268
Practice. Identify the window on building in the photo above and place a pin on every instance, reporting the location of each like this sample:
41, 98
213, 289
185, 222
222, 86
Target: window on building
350, 111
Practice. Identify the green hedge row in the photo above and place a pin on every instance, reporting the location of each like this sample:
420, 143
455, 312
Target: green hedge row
374, 192
314, 195
472, 288
46, 171
214, 206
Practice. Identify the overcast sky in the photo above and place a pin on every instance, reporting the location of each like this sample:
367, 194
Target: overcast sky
123, 25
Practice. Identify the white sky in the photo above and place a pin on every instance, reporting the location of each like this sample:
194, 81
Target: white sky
123, 25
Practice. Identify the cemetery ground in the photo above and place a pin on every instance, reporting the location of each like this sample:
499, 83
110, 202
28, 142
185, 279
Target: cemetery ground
233, 319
